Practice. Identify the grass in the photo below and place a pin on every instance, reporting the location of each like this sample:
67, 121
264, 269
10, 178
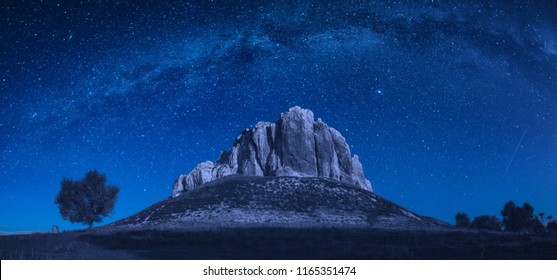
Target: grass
279, 243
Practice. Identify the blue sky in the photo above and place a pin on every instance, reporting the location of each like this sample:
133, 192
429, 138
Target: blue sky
450, 106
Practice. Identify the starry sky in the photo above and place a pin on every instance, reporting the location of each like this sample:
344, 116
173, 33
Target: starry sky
450, 106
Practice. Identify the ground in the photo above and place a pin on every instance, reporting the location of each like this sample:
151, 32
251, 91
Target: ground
279, 243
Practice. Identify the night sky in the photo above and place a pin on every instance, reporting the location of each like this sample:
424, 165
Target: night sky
450, 106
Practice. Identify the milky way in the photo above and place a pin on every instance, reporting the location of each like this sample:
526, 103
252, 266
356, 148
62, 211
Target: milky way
433, 96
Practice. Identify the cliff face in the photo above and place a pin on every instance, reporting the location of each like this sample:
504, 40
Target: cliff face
295, 145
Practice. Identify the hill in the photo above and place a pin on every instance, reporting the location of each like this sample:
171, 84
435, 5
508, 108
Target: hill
244, 201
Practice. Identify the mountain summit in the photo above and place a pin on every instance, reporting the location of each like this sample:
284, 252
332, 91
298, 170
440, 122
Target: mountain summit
295, 172
295, 145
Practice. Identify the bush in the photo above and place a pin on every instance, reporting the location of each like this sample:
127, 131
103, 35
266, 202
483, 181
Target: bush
487, 223
88, 200
535, 226
552, 226
462, 220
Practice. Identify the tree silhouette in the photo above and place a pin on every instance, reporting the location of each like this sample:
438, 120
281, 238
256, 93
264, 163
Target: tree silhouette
487, 223
88, 200
462, 220
511, 218
516, 218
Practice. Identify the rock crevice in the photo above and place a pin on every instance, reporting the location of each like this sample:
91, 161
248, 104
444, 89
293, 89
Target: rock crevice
295, 145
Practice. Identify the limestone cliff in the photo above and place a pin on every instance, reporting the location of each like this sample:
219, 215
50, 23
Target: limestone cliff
295, 145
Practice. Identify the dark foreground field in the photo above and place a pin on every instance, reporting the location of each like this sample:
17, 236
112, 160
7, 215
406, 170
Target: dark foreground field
279, 243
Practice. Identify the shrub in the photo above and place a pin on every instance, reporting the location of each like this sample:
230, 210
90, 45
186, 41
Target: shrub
462, 220
535, 226
552, 226
487, 223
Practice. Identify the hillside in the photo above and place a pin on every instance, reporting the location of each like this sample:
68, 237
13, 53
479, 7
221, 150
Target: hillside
241, 201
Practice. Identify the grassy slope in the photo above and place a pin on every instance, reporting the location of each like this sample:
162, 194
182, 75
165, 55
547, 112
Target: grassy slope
271, 201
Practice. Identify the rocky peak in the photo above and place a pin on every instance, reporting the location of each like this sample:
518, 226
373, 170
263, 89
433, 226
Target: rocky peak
294, 145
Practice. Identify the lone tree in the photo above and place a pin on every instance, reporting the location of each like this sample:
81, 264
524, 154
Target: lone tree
462, 220
88, 200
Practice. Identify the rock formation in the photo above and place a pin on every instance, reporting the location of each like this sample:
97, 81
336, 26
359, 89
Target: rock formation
295, 145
